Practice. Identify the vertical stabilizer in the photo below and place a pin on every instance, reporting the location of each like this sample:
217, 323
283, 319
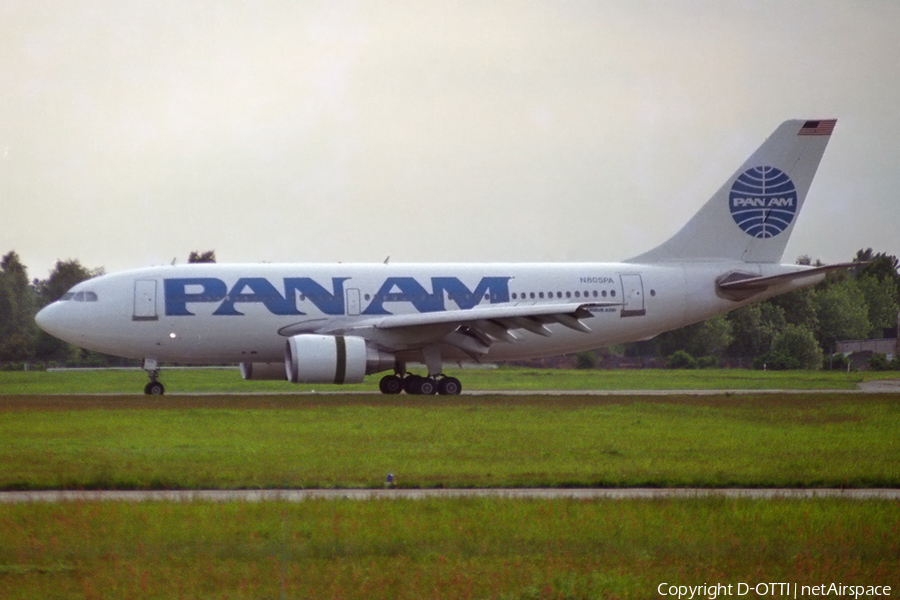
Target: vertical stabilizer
751, 217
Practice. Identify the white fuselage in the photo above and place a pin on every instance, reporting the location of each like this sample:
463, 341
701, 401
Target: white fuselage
209, 313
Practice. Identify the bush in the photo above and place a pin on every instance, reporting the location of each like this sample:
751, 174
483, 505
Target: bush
681, 360
708, 362
879, 362
586, 360
777, 360
795, 347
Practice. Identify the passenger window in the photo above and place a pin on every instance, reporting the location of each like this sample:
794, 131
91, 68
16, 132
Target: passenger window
541, 295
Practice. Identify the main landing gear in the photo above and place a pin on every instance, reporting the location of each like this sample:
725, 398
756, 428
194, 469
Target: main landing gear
420, 386
436, 382
154, 388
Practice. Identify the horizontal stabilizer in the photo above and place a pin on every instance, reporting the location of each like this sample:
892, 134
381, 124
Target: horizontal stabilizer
740, 286
739, 283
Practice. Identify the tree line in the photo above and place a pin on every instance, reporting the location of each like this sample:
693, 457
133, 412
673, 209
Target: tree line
798, 330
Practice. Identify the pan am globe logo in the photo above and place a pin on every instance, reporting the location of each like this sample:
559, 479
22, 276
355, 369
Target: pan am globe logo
763, 201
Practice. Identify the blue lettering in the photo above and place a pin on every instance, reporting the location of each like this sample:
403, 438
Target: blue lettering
330, 304
408, 290
496, 289
180, 292
260, 291
177, 297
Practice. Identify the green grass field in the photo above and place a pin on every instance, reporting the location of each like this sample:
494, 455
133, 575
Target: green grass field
333, 441
442, 549
456, 548
504, 378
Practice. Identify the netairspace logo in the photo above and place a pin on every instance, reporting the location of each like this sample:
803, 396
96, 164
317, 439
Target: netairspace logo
712, 591
763, 201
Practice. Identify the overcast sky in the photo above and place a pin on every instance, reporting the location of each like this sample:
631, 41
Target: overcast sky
134, 132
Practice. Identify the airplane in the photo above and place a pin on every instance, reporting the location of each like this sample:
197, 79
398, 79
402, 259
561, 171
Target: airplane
337, 323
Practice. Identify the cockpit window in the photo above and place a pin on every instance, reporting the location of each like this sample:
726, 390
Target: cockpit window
79, 297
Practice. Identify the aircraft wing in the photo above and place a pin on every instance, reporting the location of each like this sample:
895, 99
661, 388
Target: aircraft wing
475, 330
471, 330
568, 314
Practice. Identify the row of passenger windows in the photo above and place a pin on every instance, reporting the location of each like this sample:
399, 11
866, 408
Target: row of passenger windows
79, 297
514, 295
578, 294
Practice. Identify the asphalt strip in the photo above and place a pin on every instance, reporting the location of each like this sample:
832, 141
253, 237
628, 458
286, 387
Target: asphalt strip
51, 496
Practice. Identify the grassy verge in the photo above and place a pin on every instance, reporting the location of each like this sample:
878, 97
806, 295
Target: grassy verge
191, 442
506, 378
440, 549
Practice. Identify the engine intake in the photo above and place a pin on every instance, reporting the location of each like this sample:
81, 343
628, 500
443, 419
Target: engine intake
311, 358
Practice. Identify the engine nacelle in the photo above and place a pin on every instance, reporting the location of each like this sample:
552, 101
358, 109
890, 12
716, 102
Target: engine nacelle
263, 371
310, 358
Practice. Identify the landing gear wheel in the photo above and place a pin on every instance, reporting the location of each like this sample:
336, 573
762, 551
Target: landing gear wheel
427, 386
411, 384
154, 388
417, 385
391, 384
449, 386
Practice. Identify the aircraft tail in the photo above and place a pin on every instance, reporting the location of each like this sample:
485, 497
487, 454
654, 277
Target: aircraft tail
751, 217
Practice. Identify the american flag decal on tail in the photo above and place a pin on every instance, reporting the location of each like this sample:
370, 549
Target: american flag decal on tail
818, 127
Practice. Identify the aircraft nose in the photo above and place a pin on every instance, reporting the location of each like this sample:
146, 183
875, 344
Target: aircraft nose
51, 320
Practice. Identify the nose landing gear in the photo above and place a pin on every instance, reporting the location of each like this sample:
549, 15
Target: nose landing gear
154, 388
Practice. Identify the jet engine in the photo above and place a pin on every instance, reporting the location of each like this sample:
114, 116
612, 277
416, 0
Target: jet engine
310, 358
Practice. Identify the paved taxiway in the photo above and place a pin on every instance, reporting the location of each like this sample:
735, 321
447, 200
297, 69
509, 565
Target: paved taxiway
422, 494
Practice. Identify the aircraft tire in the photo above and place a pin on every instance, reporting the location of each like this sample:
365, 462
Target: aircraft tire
427, 386
411, 384
154, 388
391, 384
449, 386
